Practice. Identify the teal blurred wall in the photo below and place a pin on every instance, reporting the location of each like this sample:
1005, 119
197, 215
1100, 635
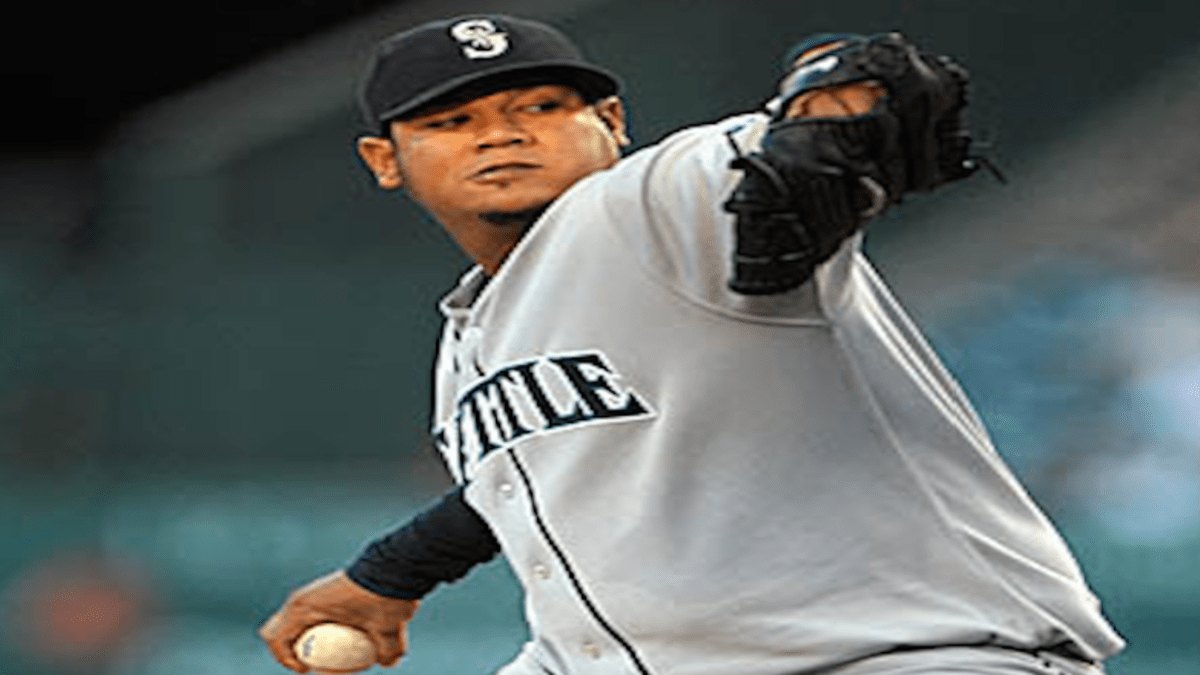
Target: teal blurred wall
219, 372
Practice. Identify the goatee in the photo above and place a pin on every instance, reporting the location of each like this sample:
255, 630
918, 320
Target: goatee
524, 218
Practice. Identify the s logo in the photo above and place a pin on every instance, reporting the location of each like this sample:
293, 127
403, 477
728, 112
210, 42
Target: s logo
480, 38
818, 67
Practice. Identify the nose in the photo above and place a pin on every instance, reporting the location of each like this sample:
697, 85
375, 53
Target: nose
501, 132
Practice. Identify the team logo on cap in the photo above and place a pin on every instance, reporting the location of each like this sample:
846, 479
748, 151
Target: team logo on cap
480, 38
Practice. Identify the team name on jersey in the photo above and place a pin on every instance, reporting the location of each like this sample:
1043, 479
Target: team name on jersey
530, 398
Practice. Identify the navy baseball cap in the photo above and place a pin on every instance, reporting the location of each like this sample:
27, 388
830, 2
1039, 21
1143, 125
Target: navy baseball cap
459, 59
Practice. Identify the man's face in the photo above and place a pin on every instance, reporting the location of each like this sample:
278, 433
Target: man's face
507, 152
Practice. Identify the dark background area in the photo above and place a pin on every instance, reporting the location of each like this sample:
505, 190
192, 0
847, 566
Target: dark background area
74, 70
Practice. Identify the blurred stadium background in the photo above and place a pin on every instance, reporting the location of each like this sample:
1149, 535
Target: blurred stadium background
216, 335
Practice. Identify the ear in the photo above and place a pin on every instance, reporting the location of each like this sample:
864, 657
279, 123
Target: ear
379, 154
612, 113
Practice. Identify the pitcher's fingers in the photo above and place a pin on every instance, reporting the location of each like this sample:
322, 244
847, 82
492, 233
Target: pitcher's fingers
286, 656
390, 645
279, 637
839, 101
861, 96
818, 103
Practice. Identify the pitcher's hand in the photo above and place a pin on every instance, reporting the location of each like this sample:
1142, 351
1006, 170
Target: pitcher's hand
334, 598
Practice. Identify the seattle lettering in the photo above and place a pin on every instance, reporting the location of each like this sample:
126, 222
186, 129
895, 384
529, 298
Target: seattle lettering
531, 398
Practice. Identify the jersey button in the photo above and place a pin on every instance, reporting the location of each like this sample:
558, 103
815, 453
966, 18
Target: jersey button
507, 490
541, 571
591, 649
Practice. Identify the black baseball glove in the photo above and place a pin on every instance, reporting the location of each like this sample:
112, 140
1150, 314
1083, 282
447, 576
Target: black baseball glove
818, 178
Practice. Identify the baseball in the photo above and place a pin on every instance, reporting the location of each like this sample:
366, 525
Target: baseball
334, 648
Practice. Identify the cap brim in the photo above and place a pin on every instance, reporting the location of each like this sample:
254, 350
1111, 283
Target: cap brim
597, 81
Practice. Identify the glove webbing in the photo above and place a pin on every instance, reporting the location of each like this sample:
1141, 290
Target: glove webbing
789, 222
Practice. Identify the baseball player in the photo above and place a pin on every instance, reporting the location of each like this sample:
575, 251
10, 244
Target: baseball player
675, 395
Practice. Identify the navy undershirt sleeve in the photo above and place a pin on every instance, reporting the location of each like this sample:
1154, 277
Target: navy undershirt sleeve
440, 544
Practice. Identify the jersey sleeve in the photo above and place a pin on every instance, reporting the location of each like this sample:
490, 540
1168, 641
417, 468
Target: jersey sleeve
439, 545
666, 201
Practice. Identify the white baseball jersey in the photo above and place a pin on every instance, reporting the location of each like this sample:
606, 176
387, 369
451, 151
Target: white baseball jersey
694, 482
